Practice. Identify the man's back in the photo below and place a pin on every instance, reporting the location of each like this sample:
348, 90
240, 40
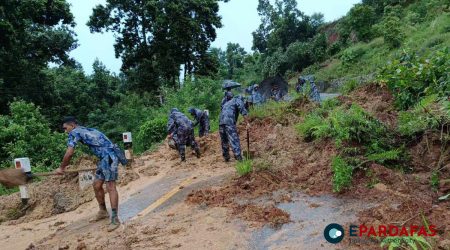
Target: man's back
94, 139
231, 110
181, 120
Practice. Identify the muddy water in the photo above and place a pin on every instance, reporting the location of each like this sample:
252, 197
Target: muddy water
310, 215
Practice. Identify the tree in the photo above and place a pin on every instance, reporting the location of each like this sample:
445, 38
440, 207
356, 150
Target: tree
34, 33
154, 38
360, 19
235, 55
281, 25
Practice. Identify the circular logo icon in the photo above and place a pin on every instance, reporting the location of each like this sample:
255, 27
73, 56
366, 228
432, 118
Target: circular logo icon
334, 233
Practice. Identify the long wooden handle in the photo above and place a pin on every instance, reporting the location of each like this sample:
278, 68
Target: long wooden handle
65, 172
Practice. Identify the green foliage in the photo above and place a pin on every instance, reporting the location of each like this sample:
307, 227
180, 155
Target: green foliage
391, 30
155, 37
406, 242
26, 133
351, 55
151, 132
384, 156
434, 179
202, 93
412, 77
348, 86
313, 127
272, 109
342, 174
430, 113
33, 34
282, 24
244, 167
359, 137
360, 19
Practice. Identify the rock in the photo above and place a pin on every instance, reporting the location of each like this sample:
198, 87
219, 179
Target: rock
381, 187
444, 244
81, 246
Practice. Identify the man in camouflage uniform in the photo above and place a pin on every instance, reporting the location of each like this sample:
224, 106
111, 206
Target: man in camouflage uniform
226, 97
301, 88
106, 171
202, 119
227, 127
180, 129
257, 98
276, 93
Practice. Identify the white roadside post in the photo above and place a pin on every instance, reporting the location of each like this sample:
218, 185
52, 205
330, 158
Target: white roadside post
25, 166
128, 145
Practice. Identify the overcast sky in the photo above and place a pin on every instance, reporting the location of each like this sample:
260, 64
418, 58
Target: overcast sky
239, 19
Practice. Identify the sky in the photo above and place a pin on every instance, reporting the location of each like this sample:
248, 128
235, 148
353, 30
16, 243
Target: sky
239, 19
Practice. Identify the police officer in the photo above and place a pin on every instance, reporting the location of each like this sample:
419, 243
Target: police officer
227, 127
301, 88
202, 119
106, 171
180, 129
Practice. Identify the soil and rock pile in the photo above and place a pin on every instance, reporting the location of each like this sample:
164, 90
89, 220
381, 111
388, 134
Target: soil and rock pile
54, 195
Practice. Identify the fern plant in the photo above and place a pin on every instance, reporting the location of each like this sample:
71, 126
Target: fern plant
407, 242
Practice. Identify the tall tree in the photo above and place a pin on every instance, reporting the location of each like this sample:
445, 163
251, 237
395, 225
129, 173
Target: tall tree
154, 37
33, 34
235, 56
282, 24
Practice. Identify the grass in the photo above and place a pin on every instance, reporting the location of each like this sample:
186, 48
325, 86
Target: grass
268, 109
244, 167
366, 58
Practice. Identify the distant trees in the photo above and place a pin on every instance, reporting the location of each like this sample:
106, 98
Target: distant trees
286, 37
155, 37
33, 34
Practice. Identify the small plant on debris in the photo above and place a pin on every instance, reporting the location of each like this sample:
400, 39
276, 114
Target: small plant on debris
360, 138
244, 167
342, 174
406, 242
431, 113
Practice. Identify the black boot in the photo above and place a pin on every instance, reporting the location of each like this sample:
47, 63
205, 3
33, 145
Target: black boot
197, 152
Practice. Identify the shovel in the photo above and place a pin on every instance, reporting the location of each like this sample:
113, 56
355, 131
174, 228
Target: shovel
248, 144
15, 177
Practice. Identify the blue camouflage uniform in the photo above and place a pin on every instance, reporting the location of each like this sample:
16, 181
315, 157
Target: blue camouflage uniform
257, 98
314, 92
276, 95
182, 132
227, 127
201, 118
101, 146
226, 97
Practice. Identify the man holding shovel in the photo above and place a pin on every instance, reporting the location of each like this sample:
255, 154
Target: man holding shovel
227, 127
106, 171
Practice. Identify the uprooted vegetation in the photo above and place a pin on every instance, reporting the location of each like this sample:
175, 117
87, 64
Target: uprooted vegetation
360, 145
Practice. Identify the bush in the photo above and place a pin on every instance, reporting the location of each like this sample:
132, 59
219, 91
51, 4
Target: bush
351, 55
151, 132
26, 133
430, 113
360, 19
413, 77
392, 32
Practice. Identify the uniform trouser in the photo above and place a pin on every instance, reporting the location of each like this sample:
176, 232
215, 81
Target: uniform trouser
230, 136
183, 138
204, 127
